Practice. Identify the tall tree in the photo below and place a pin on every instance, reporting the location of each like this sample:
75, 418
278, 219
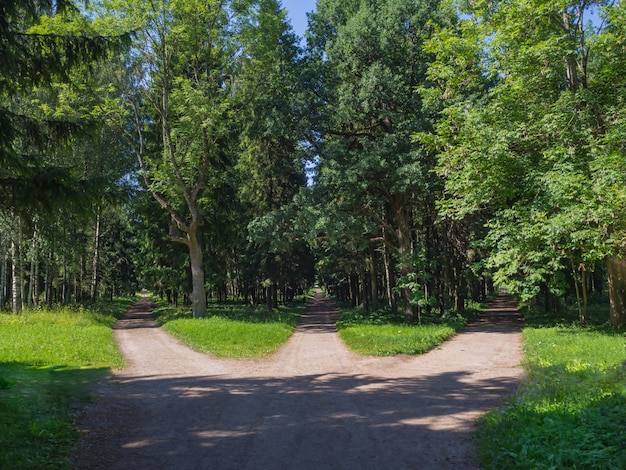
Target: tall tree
184, 72
39, 48
269, 89
49, 50
370, 59
523, 148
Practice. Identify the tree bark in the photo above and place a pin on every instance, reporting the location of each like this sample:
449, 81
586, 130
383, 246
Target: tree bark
616, 269
3, 279
16, 277
373, 275
571, 64
581, 292
32, 278
388, 275
48, 282
96, 259
198, 292
403, 233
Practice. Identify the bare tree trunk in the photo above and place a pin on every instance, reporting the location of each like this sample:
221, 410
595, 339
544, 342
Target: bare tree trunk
65, 292
198, 292
616, 269
583, 284
388, 274
3, 280
403, 234
96, 258
571, 64
35, 280
48, 283
373, 275
32, 282
459, 290
581, 293
16, 277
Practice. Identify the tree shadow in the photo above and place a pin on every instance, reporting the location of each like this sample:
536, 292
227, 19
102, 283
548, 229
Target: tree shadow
311, 421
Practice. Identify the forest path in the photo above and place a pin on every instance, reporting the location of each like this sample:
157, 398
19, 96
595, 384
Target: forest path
313, 404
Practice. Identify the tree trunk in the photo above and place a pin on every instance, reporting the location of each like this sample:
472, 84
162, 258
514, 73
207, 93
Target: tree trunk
16, 277
31, 277
373, 276
388, 275
198, 292
353, 287
583, 283
616, 269
96, 259
581, 292
66, 283
48, 280
403, 233
3, 280
571, 64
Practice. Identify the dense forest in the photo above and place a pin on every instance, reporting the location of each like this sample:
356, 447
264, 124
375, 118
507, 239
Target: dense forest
412, 154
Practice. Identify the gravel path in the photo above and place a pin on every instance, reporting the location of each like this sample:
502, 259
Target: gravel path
312, 405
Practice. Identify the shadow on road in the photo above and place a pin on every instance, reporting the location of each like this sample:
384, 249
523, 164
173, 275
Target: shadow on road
313, 421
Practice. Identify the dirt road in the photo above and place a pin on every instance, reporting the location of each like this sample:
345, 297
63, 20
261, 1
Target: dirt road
312, 405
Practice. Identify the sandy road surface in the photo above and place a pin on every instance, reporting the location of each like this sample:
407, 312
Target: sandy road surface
312, 405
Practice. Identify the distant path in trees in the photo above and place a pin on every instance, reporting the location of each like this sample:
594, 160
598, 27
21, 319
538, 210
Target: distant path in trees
312, 405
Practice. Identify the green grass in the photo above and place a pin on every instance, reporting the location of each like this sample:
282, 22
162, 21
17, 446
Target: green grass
383, 333
389, 340
64, 337
49, 360
570, 411
232, 331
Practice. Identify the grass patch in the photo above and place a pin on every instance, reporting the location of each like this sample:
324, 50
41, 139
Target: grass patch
62, 337
383, 333
49, 360
571, 409
233, 331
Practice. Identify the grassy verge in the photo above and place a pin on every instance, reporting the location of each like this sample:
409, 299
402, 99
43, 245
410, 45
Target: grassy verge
232, 331
571, 409
382, 333
49, 360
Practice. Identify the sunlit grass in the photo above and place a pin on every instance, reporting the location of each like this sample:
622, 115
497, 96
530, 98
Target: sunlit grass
232, 331
389, 340
61, 337
571, 409
49, 360
384, 333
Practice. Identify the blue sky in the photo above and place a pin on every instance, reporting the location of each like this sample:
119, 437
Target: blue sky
297, 10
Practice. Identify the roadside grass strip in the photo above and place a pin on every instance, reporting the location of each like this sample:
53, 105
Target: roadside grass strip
570, 411
232, 331
49, 361
390, 340
384, 333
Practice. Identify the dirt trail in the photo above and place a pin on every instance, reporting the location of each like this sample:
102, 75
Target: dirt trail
313, 404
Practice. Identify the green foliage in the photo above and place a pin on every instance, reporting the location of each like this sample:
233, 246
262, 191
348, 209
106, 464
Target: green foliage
49, 360
526, 110
232, 331
44, 45
571, 407
375, 185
